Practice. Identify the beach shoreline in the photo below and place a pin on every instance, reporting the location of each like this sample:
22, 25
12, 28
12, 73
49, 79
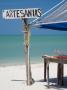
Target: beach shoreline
10, 65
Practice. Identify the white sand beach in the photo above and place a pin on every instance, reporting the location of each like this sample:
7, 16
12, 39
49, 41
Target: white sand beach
14, 78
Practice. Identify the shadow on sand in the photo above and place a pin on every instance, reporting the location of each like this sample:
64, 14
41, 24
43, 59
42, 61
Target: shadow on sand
17, 80
53, 83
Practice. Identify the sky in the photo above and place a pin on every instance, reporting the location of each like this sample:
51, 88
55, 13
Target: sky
15, 26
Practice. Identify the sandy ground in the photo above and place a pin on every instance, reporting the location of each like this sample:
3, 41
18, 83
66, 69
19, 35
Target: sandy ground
14, 78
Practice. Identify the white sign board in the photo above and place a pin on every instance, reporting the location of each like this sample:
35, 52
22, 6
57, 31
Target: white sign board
21, 13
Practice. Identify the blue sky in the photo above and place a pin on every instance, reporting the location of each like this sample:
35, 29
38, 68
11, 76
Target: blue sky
16, 26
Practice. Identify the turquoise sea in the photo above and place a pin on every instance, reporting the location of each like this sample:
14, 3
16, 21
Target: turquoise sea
12, 48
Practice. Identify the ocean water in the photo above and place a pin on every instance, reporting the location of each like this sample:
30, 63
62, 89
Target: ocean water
12, 48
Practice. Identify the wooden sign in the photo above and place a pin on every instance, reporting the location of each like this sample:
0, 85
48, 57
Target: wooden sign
21, 13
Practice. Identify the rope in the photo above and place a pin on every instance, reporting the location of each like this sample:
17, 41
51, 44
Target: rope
56, 13
34, 21
62, 17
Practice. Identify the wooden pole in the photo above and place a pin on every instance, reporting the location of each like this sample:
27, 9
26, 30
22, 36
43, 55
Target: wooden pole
27, 55
45, 69
60, 74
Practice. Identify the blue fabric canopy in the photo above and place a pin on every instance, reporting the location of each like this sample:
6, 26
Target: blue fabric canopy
55, 18
62, 26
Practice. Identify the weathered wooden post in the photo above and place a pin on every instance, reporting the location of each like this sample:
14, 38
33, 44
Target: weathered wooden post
60, 74
25, 14
27, 56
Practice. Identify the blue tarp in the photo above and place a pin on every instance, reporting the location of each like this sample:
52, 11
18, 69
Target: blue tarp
55, 26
